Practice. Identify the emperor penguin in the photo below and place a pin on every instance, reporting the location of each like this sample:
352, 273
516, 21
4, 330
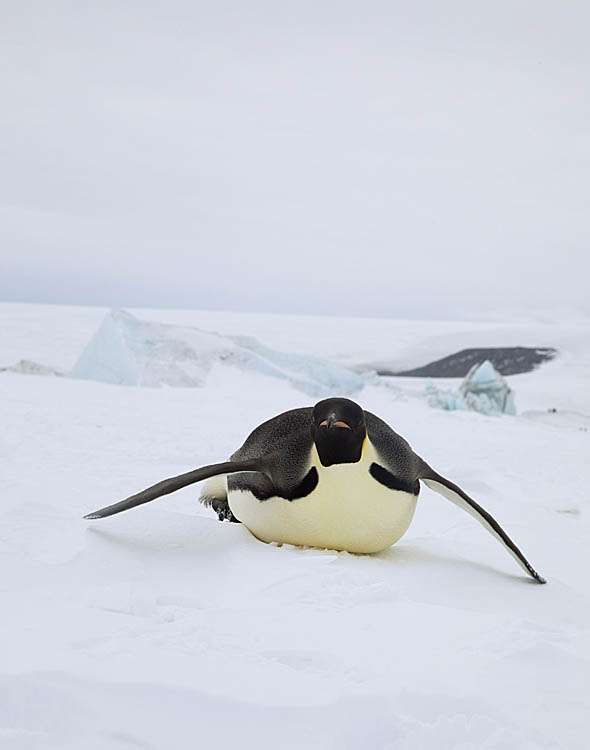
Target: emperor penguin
332, 476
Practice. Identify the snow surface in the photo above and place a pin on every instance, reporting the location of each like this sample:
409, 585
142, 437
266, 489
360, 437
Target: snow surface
162, 628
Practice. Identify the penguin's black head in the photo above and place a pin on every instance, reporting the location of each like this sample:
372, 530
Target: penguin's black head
338, 431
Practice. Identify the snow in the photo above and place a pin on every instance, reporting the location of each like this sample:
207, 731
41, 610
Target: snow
163, 628
483, 389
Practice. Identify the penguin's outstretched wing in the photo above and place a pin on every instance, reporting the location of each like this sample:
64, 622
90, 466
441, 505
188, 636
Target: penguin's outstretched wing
461, 499
166, 486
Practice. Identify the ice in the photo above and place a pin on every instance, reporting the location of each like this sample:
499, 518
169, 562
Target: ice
483, 390
486, 391
309, 374
129, 351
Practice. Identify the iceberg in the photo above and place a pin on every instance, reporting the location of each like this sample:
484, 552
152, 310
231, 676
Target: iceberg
128, 351
483, 390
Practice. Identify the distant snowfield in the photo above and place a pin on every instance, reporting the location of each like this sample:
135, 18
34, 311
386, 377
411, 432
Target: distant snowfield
162, 628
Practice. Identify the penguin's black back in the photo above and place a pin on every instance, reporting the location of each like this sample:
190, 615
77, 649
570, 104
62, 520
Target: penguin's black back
396, 454
287, 437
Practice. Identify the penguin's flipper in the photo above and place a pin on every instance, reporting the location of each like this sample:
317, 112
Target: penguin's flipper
462, 500
166, 486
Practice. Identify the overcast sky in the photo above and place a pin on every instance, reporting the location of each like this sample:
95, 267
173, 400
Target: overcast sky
395, 158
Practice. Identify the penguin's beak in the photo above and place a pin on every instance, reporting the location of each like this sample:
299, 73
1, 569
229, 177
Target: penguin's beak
333, 421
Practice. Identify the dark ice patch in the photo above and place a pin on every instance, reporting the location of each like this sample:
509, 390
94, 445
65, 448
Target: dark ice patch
508, 360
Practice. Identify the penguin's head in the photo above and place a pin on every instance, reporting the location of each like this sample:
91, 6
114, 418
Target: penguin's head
338, 431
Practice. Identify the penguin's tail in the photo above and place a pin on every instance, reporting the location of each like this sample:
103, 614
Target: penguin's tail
166, 486
461, 499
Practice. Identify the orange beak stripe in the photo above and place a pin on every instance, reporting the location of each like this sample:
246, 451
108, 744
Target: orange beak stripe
336, 424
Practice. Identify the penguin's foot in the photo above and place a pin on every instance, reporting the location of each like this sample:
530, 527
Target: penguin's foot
221, 507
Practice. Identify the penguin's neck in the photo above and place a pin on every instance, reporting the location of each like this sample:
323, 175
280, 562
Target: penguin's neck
337, 473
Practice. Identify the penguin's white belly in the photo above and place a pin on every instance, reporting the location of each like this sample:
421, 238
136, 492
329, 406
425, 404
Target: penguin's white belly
348, 510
